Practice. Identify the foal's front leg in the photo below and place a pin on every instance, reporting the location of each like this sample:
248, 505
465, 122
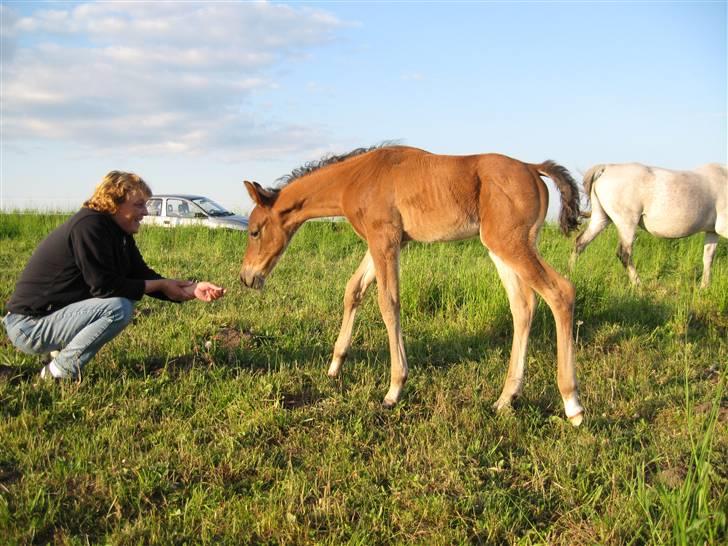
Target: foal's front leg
386, 263
356, 288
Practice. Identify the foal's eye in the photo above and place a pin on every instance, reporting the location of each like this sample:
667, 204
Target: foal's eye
254, 234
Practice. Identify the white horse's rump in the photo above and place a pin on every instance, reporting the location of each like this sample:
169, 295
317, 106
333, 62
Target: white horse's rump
666, 203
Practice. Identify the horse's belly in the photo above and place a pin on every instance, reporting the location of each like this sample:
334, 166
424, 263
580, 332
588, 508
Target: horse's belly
434, 231
678, 223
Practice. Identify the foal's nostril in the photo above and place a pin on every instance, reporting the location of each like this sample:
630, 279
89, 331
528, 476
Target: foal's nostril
250, 279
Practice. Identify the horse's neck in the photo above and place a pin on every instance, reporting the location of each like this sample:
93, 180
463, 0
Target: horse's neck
313, 196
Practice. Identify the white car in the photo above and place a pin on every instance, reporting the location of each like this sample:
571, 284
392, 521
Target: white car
190, 210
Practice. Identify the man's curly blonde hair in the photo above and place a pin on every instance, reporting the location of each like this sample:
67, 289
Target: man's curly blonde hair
114, 190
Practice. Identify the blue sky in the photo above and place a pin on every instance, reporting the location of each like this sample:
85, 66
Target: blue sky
197, 96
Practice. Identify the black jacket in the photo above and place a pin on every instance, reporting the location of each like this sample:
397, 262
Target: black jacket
88, 256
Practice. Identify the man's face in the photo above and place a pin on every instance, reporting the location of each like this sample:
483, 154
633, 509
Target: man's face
130, 213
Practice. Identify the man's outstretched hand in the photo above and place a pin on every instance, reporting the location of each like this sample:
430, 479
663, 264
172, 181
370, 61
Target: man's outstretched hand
179, 290
205, 291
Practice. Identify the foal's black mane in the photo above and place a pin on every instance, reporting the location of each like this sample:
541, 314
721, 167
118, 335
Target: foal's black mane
330, 159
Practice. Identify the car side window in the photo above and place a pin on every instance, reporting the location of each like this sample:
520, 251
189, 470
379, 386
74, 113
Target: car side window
154, 207
178, 208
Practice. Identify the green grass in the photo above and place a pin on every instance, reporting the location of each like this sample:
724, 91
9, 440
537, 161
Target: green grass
171, 439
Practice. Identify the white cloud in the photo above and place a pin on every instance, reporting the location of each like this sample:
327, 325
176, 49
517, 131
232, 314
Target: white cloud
155, 77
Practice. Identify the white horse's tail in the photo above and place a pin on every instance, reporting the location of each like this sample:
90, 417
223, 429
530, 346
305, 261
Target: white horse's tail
591, 176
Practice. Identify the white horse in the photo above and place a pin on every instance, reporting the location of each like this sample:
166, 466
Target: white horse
666, 203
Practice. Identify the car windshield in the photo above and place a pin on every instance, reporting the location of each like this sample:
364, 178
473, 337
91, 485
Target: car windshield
212, 208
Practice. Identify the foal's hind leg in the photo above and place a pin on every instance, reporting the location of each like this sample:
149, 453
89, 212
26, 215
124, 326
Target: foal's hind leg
522, 301
559, 294
356, 288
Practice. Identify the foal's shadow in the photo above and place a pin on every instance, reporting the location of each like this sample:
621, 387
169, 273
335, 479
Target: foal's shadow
242, 347
633, 312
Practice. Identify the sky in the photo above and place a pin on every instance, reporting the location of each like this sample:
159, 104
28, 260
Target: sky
196, 97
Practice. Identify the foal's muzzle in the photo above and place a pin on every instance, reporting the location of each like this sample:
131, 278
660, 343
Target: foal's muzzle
252, 280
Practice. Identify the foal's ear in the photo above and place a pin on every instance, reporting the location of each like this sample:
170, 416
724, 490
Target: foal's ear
261, 196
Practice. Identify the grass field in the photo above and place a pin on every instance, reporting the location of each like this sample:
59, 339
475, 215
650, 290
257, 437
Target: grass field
216, 423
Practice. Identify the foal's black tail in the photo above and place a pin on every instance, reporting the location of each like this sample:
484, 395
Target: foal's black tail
570, 211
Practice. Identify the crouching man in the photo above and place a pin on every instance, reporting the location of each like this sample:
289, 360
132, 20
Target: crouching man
78, 290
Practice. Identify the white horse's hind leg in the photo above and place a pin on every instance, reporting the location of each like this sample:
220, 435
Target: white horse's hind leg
355, 290
522, 300
599, 220
709, 246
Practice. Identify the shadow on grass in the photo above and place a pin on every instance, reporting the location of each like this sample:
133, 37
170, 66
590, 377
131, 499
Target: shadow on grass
242, 347
9, 474
14, 375
633, 311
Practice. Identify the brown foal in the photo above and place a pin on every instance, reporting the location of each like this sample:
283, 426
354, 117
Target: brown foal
395, 194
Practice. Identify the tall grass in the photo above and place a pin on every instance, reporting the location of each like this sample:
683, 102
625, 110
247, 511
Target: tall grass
217, 424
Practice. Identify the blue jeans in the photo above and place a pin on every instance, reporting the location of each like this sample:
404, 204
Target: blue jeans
77, 331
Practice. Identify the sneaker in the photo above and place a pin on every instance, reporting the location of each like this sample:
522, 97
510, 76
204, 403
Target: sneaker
47, 358
50, 371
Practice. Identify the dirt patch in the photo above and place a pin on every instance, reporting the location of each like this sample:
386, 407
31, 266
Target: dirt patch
232, 338
671, 477
707, 407
712, 373
295, 400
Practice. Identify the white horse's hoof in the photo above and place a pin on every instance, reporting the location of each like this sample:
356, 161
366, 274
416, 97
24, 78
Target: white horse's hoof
572, 262
388, 404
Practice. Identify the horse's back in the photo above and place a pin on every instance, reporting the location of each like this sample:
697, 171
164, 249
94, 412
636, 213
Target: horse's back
715, 176
668, 203
434, 195
444, 197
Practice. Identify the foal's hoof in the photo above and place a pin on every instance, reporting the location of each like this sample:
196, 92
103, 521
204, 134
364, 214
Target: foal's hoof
577, 419
504, 403
388, 404
574, 410
334, 368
